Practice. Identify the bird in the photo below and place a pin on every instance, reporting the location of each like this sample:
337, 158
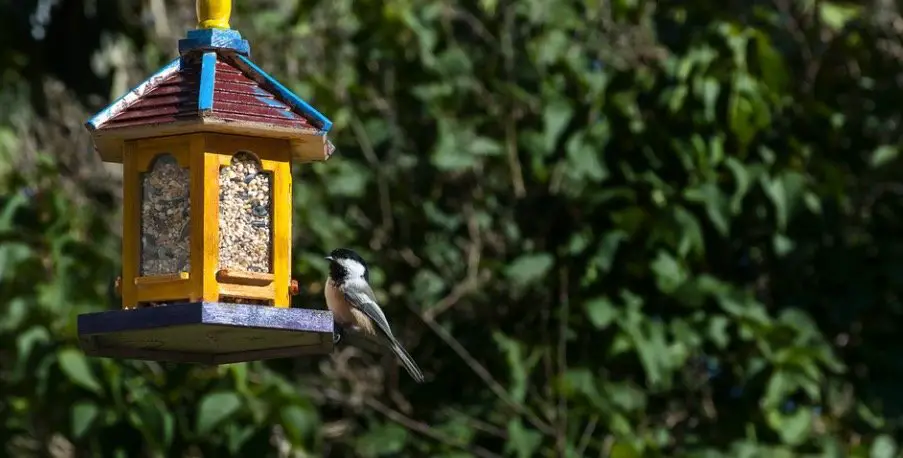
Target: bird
353, 304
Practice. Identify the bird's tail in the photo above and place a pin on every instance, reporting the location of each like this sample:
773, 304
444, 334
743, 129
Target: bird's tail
407, 361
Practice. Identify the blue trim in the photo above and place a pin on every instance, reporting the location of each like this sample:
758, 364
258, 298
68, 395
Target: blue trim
293, 100
213, 40
131, 96
208, 79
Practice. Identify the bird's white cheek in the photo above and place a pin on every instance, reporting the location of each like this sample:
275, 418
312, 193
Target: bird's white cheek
354, 268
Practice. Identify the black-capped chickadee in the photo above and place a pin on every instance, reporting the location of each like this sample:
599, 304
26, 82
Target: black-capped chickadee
353, 304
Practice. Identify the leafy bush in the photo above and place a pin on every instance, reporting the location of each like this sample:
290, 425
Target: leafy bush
603, 229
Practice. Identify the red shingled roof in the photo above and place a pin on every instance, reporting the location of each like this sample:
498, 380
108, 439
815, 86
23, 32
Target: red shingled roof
236, 97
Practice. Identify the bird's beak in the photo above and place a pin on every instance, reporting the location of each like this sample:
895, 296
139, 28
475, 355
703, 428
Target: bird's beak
329, 258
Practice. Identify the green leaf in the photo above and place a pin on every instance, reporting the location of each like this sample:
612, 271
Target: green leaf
718, 331
782, 245
458, 426
715, 202
239, 373
12, 254
556, 116
652, 347
785, 192
237, 436
622, 449
451, 159
529, 268
348, 180
779, 387
744, 176
771, 61
214, 409
75, 366
793, 428
583, 159
298, 422
518, 364
579, 241
150, 415
27, 340
581, 381
489, 6
676, 97
16, 312
608, 248
601, 312
524, 442
482, 146
869, 416
550, 47
691, 239
711, 89
747, 112
836, 15
669, 274
83, 415
883, 155
883, 446
626, 396
381, 440
451, 152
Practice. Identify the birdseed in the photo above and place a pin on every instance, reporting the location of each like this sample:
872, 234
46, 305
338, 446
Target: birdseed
245, 216
165, 218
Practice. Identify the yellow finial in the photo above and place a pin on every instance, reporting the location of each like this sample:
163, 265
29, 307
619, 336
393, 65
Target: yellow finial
213, 14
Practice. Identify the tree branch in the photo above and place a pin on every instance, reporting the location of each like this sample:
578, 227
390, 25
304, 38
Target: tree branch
484, 374
426, 430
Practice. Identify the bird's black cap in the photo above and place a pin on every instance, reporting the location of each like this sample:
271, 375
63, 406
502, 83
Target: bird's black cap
337, 271
345, 253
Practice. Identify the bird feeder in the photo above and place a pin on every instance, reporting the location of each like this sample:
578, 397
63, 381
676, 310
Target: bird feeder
206, 146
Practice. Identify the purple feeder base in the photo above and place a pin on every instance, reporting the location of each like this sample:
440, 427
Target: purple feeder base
206, 333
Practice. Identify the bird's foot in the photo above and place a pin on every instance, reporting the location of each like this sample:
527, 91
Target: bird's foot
337, 334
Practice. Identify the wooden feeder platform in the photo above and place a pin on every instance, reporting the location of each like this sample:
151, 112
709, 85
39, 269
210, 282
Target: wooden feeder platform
206, 333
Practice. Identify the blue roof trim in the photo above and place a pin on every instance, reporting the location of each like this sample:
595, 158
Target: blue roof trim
208, 79
214, 40
132, 96
293, 100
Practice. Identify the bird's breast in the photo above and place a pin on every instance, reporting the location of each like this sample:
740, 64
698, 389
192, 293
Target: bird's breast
337, 304
343, 312
362, 323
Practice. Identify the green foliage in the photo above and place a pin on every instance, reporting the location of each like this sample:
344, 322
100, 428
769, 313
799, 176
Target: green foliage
627, 232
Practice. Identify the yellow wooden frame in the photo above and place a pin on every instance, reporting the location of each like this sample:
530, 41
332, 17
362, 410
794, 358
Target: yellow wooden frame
203, 154
136, 289
275, 158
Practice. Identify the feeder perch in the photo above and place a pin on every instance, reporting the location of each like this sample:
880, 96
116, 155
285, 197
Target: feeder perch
206, 145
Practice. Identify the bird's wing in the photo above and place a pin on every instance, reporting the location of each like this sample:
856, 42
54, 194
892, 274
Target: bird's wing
361, 297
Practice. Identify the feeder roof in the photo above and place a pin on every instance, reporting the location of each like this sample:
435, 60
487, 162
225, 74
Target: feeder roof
212, 87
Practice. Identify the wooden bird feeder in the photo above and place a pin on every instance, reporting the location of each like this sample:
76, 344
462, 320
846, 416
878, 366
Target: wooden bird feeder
206, 145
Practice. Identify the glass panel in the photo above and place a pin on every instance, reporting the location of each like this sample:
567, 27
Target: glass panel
165, 218
245, 215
